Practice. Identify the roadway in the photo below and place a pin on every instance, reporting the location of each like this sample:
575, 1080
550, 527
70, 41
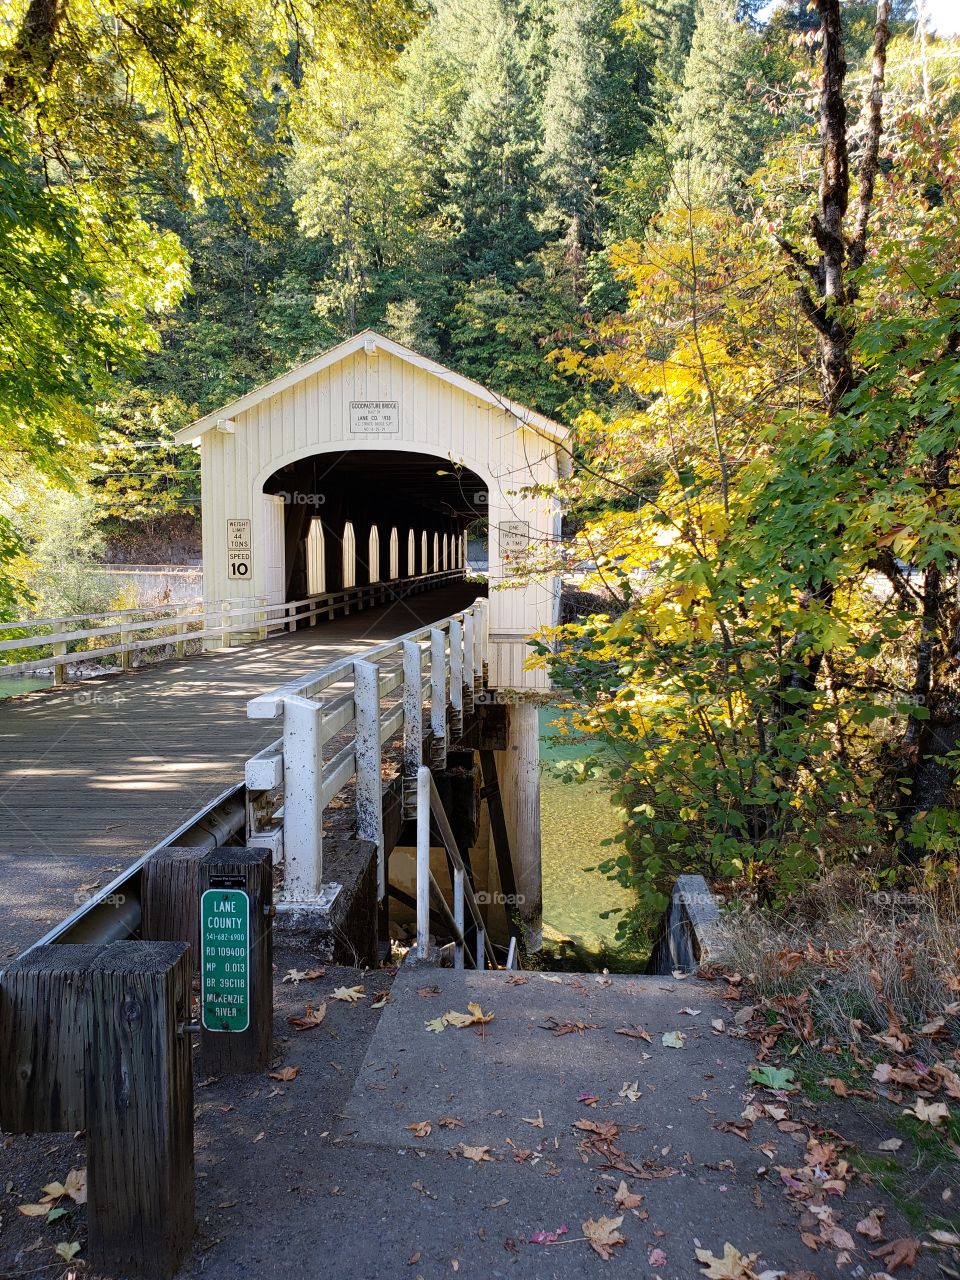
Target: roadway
95, 774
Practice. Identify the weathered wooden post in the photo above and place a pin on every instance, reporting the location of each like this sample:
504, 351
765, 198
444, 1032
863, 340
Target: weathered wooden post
236, 960
59, 668
94, 1037
139, 1120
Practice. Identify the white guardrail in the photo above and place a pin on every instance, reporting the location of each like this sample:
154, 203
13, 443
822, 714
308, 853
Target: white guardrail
350, 709
125, 632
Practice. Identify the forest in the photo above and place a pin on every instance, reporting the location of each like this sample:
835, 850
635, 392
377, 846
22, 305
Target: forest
716, 239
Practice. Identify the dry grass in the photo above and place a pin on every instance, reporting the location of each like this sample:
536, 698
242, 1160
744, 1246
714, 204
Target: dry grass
880, 957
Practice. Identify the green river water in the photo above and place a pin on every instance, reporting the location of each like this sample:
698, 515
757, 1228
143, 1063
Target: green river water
575, 817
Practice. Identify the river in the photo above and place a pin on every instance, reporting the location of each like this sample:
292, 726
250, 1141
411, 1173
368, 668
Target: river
575, 817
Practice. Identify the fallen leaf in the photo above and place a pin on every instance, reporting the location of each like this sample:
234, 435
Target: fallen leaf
426, 992
624, 1198
548, 1237
742, 1017
476, 1154
673, 1039
312, 1018
285, 1074
630, 1091
871, 1226
604, 1235
932, 1113
348, 994
422, 1128
691, 1013
718, 1025
657, 1258
773, 1077
732, 1266
450, 1122
75, 1185
890, 1144
473, 1017
635, 1033
296, 976
34, 1210
536, 1121
898, 1253
68, 1251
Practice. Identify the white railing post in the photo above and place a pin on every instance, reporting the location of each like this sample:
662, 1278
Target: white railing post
412, 707
438, 692
478, 647
302, 808
469, 653
458, 917
60, 668
423, 862
126, 648
456, 673
366, 698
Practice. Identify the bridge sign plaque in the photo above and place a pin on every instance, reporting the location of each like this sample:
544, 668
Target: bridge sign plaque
374, 417
225, 957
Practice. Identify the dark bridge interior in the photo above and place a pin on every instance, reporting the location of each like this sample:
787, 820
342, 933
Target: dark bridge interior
374, 515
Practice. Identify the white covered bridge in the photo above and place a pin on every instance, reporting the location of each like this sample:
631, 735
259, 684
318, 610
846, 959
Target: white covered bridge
368, 467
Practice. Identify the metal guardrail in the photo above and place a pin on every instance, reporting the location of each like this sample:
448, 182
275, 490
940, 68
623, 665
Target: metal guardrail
342, 706
125, 632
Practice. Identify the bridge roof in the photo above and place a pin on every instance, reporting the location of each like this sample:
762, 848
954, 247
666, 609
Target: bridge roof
526, 417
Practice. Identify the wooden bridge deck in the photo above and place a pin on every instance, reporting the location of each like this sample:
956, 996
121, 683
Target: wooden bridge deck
93, 775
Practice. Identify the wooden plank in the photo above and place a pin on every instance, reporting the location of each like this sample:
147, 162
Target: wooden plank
139, 1087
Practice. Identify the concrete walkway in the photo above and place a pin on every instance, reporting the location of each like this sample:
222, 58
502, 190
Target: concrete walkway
492, 1151
94, 775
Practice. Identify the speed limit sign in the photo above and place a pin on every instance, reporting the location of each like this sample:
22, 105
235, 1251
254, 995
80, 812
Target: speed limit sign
238, 564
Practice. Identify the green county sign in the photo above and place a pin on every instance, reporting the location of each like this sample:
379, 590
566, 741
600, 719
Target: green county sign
225, 959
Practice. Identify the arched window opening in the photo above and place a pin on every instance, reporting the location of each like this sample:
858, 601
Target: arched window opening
411, 554
316, 560
349, 557
394, 553
373, 554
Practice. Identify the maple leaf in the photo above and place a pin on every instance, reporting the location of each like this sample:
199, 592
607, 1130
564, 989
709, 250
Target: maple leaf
285, 1074
473, 1017
348, 994
436, 1025
296, 976
773, 1077
932, 1113
732, 1266
604, 1235
312, 1018
624, 1198
422, 1128
75, 1185
476, 1154
898, 1253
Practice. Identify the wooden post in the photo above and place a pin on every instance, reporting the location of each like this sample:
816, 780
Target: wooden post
227, 874
170, 898
60, 668
139, 1121
518, 768
44, 1035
